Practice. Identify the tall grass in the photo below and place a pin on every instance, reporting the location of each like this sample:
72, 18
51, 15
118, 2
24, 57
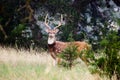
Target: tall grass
32, 65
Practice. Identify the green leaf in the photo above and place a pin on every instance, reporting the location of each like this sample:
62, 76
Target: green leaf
18, 30
118, 21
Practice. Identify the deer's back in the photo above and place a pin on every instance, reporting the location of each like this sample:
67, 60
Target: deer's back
81, 45
62, 45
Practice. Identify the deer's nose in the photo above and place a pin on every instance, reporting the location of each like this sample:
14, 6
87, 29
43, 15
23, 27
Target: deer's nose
50, 36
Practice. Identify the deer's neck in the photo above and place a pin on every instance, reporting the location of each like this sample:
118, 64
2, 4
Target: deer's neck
51, 41
57, 47
51, 45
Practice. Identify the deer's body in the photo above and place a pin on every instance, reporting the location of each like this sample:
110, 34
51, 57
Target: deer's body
56, 47
59, 46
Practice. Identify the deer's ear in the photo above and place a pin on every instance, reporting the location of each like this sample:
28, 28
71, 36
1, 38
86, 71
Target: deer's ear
56, 30
47, 30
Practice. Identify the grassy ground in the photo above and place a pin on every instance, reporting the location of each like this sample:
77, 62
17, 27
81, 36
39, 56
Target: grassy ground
25, 65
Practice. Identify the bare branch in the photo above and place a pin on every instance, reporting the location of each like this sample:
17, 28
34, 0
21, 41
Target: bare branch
7, 23
27, 7
3, 31
61, 18
46, 22
21, 8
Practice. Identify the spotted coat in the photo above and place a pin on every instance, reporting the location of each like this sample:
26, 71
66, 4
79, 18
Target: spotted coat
59, 46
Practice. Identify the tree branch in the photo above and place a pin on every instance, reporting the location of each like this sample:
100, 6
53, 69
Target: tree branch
4, 33
28, 8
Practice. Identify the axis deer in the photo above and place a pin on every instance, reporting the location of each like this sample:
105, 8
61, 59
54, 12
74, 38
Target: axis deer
56, 47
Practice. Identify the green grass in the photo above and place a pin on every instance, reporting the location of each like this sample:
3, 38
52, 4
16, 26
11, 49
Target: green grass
21, 71
24, 65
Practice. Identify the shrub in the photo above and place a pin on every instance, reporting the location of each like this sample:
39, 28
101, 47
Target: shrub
108, 61
69, 55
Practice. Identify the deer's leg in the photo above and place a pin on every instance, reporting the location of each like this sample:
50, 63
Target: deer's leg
85, 60
57, 59
53, 55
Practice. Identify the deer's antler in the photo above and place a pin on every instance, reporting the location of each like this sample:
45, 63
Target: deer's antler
60, 22
46, 22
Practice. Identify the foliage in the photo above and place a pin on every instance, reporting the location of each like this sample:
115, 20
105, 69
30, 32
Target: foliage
78, 15
18, 30
15, 17
108, 61
66, 31
70, 37
69, 55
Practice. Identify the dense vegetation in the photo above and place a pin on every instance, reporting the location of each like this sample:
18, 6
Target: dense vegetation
95, 21
87, 19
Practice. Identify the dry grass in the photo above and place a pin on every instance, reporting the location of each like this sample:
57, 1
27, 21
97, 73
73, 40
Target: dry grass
25, 65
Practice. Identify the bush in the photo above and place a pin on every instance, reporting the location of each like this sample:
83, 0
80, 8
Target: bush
108, 61
69, 55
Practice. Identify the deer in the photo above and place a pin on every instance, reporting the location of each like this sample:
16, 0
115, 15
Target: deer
56, 47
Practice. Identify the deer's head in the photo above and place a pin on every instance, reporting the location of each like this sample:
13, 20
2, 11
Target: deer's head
51, 32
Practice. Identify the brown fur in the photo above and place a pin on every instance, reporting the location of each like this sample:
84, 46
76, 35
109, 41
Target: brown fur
59, 46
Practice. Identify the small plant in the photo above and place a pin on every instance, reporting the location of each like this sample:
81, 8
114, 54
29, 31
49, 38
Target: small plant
69, 55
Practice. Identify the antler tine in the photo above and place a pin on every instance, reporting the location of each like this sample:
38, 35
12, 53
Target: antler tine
60, 23
46, 23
